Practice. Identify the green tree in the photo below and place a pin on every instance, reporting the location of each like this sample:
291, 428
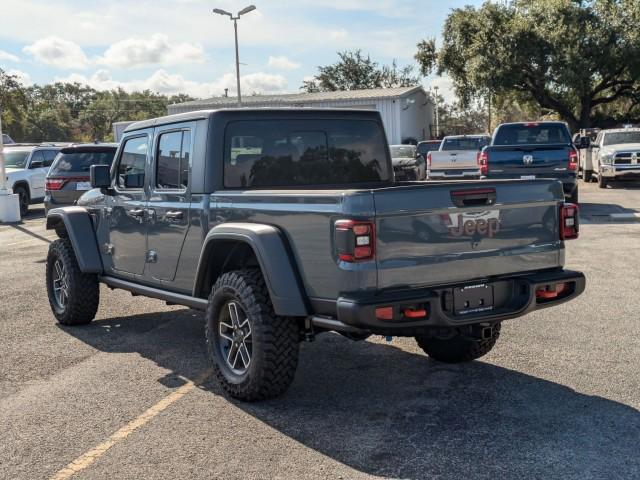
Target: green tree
579, 58
355, 71
12, 104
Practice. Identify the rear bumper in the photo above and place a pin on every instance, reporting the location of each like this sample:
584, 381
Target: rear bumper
620, 171
466, 174
517, 297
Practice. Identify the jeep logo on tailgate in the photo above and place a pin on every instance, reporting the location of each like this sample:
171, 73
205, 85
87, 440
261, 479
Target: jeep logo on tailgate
486, 225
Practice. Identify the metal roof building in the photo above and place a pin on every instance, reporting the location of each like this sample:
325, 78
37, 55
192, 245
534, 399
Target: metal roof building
407, 112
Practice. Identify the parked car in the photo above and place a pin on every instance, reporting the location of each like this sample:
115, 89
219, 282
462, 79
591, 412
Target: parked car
407, 164
530, 150
457, 157
68, 177
6, 139
427, 146
615, 154
282, 224
27, 166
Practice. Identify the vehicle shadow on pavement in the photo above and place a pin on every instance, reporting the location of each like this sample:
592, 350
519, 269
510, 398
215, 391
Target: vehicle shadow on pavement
601, 212
388, 412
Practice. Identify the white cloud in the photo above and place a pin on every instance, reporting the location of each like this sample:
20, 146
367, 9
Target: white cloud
23, 77
338, 34
57, 52
163, 82
445, 87
8, 57
155, 50
283, 63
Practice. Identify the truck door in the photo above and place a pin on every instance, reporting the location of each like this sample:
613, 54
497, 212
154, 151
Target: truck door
127, 207
169, 199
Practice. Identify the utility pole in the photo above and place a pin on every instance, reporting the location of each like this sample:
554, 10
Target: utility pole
489, 121
9, 203
235, 19
435, 98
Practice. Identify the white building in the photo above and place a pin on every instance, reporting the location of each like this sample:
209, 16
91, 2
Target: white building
407, 112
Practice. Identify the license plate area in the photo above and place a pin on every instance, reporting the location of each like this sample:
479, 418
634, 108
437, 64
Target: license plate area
473, 299
83, 186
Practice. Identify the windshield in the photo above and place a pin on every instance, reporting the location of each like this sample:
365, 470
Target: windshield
15, 159
80, 162
532, 134
464, 143
615, 138
403, 151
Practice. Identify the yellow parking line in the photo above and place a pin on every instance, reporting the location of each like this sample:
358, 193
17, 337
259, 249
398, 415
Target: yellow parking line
88, 458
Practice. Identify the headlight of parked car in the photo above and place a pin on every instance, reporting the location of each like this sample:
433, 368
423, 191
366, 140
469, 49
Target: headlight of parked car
607, 158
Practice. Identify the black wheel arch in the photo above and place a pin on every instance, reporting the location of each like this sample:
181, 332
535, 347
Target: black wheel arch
234, 246
75, 223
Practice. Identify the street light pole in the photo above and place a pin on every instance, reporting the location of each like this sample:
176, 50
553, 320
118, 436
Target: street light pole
436, 105
235, 19
9, 204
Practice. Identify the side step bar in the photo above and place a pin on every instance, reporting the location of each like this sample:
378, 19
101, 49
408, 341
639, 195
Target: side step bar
177, 298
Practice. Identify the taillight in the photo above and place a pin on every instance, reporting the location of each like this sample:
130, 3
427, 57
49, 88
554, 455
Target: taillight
573, 159
355, 240
569, 221
483, 162
54, 183
429, 159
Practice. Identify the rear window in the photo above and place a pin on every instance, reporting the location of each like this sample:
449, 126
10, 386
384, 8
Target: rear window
464, 143
532, 134
290, 153
80, 162
424, 148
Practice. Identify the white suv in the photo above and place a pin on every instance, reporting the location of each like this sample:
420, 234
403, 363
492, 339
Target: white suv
27, 166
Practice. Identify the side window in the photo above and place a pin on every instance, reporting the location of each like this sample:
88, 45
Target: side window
49, 156
37, 157
132, 163
174, 152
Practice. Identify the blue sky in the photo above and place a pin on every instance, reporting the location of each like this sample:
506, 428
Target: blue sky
175, 46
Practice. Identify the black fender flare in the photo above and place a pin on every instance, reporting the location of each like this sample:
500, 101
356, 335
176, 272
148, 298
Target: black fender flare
79, 228
278, 268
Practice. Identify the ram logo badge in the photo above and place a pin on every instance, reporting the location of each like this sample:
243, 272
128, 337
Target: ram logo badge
527, 159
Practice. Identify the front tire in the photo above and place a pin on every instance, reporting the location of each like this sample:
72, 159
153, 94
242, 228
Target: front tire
73, 296
602, 182
254, 351
457, 349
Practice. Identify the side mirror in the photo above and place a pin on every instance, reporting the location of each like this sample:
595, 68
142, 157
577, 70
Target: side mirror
100, 176
37, 164
134, 180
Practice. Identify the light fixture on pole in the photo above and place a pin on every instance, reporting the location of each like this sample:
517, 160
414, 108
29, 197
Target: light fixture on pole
235, 19
9, 204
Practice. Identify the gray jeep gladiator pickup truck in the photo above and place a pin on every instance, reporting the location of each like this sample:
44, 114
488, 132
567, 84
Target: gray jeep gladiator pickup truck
285, 223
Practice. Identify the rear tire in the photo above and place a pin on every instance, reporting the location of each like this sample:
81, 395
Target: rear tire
254, 351
73, 296
457, 349
23, 199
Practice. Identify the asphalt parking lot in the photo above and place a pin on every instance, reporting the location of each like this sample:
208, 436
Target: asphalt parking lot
129, 396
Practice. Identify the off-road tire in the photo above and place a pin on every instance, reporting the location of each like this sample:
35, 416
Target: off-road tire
83, 288
23, 199
275, 339
457, 349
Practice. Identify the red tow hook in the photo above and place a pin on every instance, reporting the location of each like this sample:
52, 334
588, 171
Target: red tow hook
545, 294
411, 313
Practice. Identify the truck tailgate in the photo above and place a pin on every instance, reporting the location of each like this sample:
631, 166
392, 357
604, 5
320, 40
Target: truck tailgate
444, 232
527, 160
454, 160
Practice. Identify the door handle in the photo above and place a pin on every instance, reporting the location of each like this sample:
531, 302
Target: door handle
174, 215
138, 212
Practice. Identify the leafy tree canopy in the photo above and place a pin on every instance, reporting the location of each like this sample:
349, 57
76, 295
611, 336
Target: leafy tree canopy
355, 71
579, 58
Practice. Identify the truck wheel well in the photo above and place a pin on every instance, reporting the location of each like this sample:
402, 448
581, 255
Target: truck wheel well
22, 183
226, 256
57, 224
